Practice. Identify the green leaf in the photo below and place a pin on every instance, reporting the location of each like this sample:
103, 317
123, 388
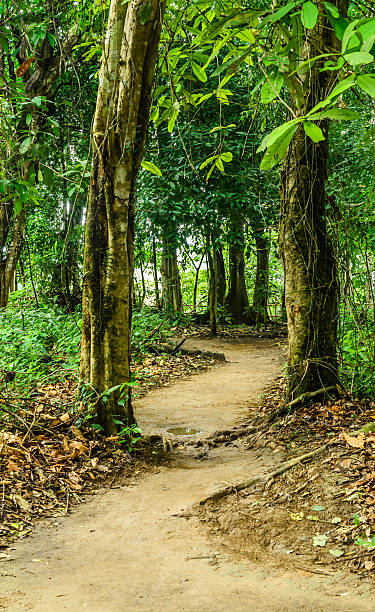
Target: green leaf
309, 15
227, 157
359, 58
276, 134
284, 10
336, 520
219, 164
271, 88
29, 119
199, 72
318, 508
341, 87
145, 13
278, 148
313, 131
332, 9
37, 101
51, 39
336, 91
17, 206
367, 84
25, 144
338, 114
320, 540
172, 120
232, 64
207, 161
147, 165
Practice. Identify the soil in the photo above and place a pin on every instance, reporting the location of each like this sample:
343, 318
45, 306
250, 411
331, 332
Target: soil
143, 546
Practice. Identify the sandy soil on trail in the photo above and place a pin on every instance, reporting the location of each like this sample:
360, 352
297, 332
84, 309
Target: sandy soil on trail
130, 548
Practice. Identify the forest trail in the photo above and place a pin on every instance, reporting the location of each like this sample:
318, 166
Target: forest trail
128, 549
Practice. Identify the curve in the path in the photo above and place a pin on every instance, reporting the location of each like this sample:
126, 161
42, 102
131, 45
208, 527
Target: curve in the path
130, 550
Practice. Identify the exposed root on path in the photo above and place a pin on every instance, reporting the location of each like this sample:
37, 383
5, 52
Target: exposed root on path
264, 478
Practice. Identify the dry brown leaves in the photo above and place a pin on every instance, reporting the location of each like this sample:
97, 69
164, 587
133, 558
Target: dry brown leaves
272, 330
161, 370
350, 461
46, 461
50, 457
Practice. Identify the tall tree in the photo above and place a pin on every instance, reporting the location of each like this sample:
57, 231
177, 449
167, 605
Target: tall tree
311, 284
26, 94
119, 132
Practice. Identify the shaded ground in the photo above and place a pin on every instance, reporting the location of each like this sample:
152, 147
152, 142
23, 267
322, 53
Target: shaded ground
142, 548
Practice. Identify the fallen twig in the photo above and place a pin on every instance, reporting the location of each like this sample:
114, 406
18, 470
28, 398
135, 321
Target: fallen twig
174, 351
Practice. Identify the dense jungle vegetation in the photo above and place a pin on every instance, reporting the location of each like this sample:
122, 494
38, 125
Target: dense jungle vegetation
220, 156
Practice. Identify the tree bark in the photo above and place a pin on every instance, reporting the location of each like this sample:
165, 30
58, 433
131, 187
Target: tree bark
311, 285
212, 289
171, 282
8, 263
260, 298
119, 132
237, 300
220, 274
155, 271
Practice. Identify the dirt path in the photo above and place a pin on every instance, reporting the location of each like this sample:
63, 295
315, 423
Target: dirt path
127, 550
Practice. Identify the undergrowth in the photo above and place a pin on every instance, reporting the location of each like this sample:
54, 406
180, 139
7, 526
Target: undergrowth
40, 345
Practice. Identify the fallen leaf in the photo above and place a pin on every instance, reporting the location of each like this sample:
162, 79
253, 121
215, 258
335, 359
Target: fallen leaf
336, 552
369, 565
320, 540
354, 441
296, 516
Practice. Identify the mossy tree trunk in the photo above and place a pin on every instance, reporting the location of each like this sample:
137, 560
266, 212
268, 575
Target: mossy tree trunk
220, 274
237, 300
311, 285
212, 286
119, 132
260, 297
171, 282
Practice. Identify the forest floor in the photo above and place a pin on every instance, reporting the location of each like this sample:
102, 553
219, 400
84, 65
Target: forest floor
150, 545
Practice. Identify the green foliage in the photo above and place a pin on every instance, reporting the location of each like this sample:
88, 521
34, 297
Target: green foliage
39, 345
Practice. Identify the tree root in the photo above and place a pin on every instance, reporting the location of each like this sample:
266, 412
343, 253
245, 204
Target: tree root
284, 408
265, 478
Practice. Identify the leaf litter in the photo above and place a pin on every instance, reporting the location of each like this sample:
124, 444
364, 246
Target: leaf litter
321, 513
51, 457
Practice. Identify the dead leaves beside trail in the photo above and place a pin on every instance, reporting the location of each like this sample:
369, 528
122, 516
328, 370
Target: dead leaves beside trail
46, 461
158, 370
51, 457
320, 514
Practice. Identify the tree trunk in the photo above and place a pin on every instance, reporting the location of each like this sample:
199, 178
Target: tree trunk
42, 82
220, 274
260, 298
8, 264
311, 285
237, 301
155, 271
212, 289
119, 132
171, 282
196, 281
